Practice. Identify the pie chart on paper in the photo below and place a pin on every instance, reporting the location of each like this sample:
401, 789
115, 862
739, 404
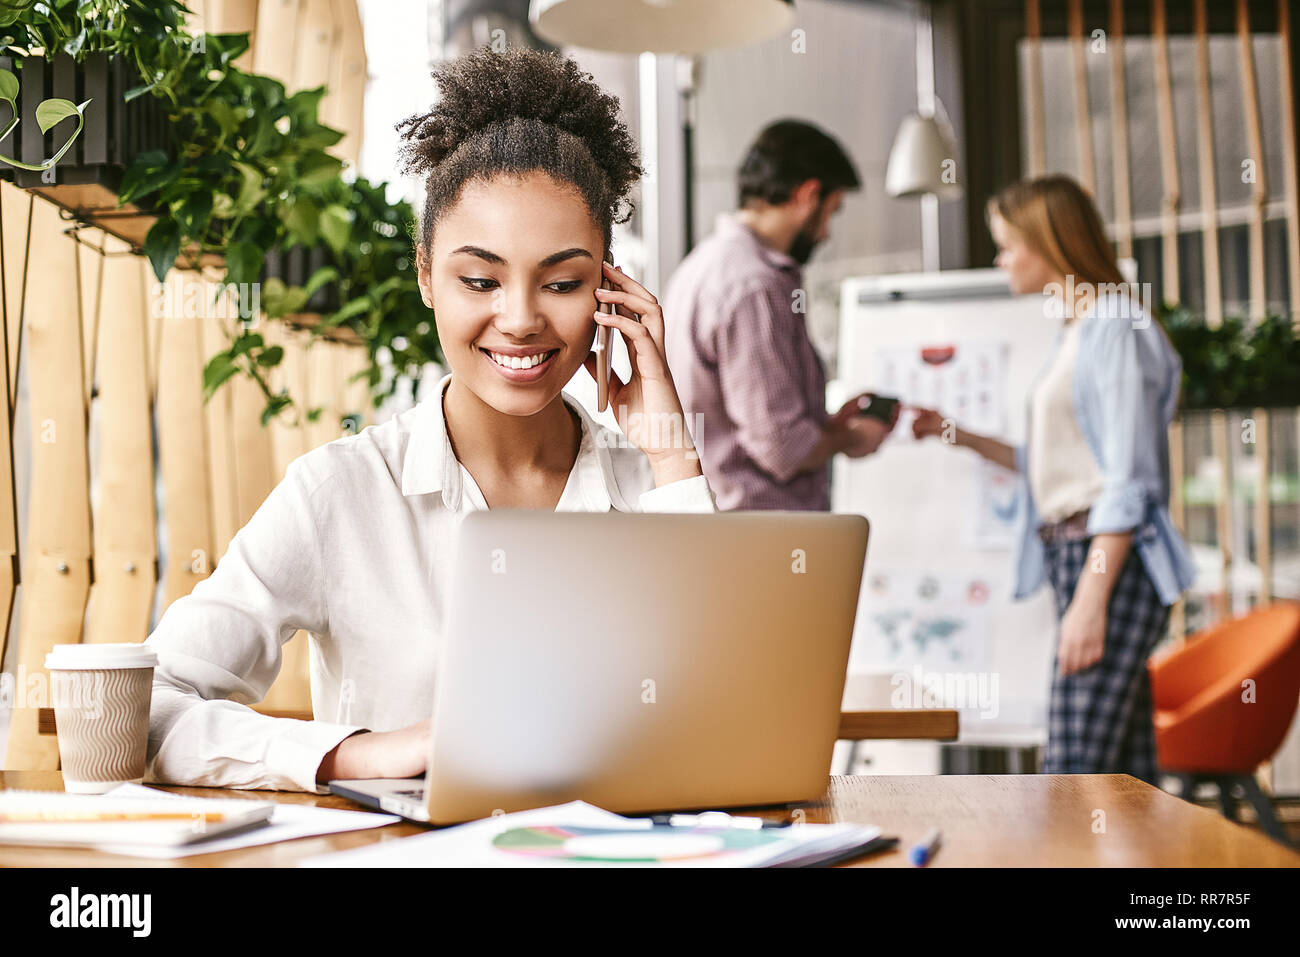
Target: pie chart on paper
651, 845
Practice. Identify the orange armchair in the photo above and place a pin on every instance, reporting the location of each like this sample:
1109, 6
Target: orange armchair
1211, 725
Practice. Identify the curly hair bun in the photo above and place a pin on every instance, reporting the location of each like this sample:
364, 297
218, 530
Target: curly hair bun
491, 96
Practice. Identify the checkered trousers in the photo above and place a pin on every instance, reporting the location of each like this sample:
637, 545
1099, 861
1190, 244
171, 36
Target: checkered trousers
1100, 719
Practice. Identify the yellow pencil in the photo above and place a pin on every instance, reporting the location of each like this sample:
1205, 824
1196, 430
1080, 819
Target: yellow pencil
32, 817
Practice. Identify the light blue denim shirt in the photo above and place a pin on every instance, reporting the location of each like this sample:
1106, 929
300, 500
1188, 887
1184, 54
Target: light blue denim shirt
1126, 383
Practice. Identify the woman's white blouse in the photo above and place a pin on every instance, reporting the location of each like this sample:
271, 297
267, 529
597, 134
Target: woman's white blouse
356, 546
1063, 475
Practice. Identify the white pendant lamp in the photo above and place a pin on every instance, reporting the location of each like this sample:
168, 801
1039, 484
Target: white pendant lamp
922, 161
659, 26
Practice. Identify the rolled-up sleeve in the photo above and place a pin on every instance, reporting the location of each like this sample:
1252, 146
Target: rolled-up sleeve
219, 650
1121, 505
760, 385
688, 495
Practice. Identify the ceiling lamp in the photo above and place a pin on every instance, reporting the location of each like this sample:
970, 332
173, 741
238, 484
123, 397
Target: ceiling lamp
659, 26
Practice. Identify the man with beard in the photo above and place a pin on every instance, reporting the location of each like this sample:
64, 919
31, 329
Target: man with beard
736, 341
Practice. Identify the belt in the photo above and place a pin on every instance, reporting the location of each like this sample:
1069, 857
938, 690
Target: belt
1072, 529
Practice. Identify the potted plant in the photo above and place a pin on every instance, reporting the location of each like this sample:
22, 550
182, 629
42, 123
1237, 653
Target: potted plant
231, 168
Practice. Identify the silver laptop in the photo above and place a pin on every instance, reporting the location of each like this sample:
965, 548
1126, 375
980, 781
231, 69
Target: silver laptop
639, 662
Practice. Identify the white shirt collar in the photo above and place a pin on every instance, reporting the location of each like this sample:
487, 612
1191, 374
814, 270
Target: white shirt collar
430, 465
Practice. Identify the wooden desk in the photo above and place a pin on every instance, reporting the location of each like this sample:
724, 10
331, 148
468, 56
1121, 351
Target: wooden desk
1012, 820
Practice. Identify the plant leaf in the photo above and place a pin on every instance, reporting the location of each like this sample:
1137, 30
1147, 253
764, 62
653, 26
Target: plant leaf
8, 88
51, 112
270, 357
243, 262
219, 368
336, 226
162, 245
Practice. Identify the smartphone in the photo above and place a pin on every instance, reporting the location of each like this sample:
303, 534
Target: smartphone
604, 347
878, 407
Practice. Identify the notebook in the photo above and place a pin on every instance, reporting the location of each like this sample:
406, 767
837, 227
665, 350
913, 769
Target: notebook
57, 819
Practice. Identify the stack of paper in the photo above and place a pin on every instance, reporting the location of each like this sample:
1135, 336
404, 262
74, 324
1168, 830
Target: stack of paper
151, 819
187, 827
580, 835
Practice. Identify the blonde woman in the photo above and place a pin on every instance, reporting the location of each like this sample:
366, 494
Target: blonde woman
1094, 518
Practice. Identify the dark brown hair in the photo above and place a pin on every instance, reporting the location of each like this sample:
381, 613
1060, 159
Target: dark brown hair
788, 153
517, 112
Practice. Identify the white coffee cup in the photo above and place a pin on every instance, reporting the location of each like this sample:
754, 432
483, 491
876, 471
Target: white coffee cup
101, 710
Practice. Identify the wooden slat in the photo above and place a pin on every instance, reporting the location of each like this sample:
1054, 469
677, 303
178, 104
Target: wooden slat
291, 690
1119, 134
8, 503
1292, 184
1206, 165
15, 219
1037, 159
233, 16
314, 42
1263, 508
56, 565
154, 293
217, 414
288, 438
933, 724
322, 375
1221, 442
343, 108
89, 278
278, 22
182, 444
1082, 114
1178, 512
1255, 142
254, 464
316, 376
126, 549
1171, 196
355, 388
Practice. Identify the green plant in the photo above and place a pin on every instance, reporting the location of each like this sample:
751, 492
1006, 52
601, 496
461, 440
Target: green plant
248, 171
1236, 365
49, 113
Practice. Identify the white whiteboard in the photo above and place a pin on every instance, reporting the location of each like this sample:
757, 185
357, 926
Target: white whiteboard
921, 497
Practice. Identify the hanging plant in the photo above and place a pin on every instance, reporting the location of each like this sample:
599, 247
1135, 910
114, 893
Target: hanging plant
246, 172
49, 113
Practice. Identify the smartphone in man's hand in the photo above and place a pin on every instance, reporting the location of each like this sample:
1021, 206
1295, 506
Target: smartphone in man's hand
881, 407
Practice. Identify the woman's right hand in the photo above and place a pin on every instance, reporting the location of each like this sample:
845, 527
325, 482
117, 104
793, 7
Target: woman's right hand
403, 753
928, 422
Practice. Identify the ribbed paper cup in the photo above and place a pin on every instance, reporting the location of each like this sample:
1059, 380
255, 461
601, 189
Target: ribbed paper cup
101, 708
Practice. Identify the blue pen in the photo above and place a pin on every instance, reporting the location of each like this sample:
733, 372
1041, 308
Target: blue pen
923, 853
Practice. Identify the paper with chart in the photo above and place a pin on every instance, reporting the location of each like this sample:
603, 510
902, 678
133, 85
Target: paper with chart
966, 382
963, 381
936, 620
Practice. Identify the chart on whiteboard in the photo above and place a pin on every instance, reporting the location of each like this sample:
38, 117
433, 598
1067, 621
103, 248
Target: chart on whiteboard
962, 380
938, 620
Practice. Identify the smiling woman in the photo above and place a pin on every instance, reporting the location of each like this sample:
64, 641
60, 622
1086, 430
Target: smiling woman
526, 168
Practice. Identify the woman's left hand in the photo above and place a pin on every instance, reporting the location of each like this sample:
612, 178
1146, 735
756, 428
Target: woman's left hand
647, 406
1083, 636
